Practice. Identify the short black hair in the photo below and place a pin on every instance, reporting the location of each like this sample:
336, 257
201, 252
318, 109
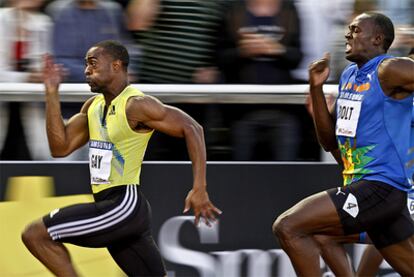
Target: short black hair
386, 26
116, 50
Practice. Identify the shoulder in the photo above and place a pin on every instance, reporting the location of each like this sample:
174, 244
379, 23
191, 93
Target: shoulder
87, 104
110, 5
391, 66
39, 20
349, 69
55, 8
142, 102
395, 62
145, 107
396, 76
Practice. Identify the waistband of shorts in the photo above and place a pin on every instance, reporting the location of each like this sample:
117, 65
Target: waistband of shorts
380, 184
113, 192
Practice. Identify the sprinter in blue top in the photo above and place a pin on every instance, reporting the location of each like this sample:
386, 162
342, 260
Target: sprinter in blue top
332, 250
369, 134
372, 128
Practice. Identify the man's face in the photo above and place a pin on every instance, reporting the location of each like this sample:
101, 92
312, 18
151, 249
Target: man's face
360, 39
98, 69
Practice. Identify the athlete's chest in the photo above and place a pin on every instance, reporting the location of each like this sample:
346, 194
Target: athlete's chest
359, 103
110, 122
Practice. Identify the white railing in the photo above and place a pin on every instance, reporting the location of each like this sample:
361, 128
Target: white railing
243, 94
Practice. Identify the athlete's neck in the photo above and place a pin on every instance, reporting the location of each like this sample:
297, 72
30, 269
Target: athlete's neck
360, 61
114, 90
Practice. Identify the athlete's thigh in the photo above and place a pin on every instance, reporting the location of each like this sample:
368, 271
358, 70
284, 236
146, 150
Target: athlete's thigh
98, 224
315, 214
140, 257
400, 256
70, 225
393, 232
367, 205
65, 216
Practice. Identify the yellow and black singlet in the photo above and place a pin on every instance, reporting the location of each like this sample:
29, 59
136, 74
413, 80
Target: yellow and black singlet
115, 150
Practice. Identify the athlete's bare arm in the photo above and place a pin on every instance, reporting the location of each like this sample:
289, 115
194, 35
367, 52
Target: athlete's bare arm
396, 76
323, 120
150, 112
63, 137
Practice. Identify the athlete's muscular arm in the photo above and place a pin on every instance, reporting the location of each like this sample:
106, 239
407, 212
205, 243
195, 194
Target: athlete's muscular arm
396, 76
322, 118
63, 138
330, 101
152, 113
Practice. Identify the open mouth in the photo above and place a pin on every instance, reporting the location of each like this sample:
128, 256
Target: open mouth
348, 48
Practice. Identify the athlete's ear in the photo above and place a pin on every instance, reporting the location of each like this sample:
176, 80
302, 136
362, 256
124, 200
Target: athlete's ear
379, 39
117, 65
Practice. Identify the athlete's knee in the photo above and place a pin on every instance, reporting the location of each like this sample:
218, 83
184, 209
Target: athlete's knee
283, 227
323, 241
34, 233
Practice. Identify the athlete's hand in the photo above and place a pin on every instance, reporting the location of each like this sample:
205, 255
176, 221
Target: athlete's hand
198, 200
319, 71
52, 74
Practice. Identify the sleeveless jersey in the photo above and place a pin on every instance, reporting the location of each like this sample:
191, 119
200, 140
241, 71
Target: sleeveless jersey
372, 129
410, 166
115, 150
410, 161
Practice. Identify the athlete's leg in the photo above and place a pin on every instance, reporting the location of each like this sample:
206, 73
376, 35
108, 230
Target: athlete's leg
138, 258
370, 261
139, 255
52, 254
295, 229
86, 224
401, 256
334, 254
395, 241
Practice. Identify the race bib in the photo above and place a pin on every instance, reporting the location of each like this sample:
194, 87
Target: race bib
100, 156
410, 205
347, 117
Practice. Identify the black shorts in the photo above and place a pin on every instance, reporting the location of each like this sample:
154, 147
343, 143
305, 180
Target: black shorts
120, 220
374, 207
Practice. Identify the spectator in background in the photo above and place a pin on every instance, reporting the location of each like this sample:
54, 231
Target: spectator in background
401, 13
177, 39
78, 24
322, 25
24, 38
260, 44
123, 3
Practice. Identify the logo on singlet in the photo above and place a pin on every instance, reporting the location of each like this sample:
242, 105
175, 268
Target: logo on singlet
351, 205
112, 111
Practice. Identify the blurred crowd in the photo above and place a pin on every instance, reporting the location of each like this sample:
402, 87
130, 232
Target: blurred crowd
187, 42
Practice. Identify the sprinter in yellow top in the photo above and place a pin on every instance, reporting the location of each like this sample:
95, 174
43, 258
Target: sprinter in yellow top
117, 123
116, 150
